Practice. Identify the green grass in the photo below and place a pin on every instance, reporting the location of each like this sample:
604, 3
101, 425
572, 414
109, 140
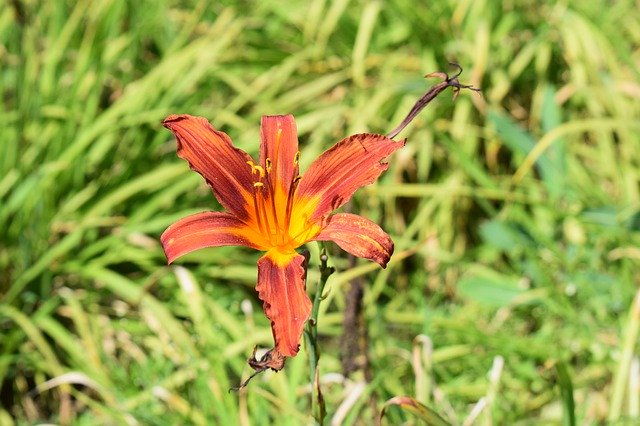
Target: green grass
515, 214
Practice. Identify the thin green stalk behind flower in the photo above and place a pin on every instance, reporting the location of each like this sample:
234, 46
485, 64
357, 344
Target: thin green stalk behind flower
311, 338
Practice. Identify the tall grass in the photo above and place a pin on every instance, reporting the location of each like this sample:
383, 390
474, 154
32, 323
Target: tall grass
515, 214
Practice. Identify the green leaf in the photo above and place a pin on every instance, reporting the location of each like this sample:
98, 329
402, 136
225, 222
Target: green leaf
489, 287
503, 235
566, 393
551, 117
521, 143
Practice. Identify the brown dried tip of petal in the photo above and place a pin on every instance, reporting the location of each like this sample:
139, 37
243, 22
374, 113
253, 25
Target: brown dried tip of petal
272, 359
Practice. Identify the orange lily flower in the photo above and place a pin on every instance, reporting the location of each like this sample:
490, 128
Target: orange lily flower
270, 207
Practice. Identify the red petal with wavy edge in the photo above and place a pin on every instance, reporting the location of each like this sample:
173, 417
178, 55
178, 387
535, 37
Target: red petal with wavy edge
211, 153
340, 171
207, 229
358, 236
279, 143
281, 286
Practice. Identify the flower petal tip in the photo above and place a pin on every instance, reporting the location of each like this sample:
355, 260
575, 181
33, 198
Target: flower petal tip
386, 259
168, 254
358, 236
271, 359
173, 118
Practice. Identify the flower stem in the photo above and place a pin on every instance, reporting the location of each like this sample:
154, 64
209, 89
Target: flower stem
435, 90
311, 339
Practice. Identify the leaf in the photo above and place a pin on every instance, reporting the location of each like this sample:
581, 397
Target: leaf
551, 117
521, 143
424, 413
489, 287
503, 235
566, 393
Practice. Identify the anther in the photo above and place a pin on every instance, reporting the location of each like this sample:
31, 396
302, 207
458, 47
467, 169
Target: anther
260, 170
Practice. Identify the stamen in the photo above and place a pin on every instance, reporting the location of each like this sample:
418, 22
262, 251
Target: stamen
256, 169
271, 194
262, 211
296, 158
292, 191
274, 212
268, 232
258, 186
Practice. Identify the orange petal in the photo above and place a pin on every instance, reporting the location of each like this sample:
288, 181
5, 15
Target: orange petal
207, 229
339, 172
279, 143
281, 286
358, 236
211, 153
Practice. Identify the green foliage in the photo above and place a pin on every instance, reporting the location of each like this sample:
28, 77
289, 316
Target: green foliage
515, 214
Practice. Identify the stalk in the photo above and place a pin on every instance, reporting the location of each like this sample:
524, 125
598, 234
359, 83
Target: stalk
311, 339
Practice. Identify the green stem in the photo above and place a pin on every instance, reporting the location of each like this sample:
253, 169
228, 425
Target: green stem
311, 339
624, 365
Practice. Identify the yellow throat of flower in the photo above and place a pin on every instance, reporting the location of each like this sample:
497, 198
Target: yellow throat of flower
279, 218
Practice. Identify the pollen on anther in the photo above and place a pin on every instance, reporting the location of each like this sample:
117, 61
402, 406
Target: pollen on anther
296, 158
256, 169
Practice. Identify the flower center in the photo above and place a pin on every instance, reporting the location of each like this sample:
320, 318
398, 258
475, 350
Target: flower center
280, 224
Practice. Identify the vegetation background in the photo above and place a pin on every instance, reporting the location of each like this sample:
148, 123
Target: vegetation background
515, 214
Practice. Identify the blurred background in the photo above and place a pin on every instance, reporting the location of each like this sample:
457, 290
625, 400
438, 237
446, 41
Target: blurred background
515, 213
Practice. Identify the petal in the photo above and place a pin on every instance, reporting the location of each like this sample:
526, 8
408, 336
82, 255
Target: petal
271, 359
358, 236
340, 171
279, 143
211, 153
281, 286
207, 229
